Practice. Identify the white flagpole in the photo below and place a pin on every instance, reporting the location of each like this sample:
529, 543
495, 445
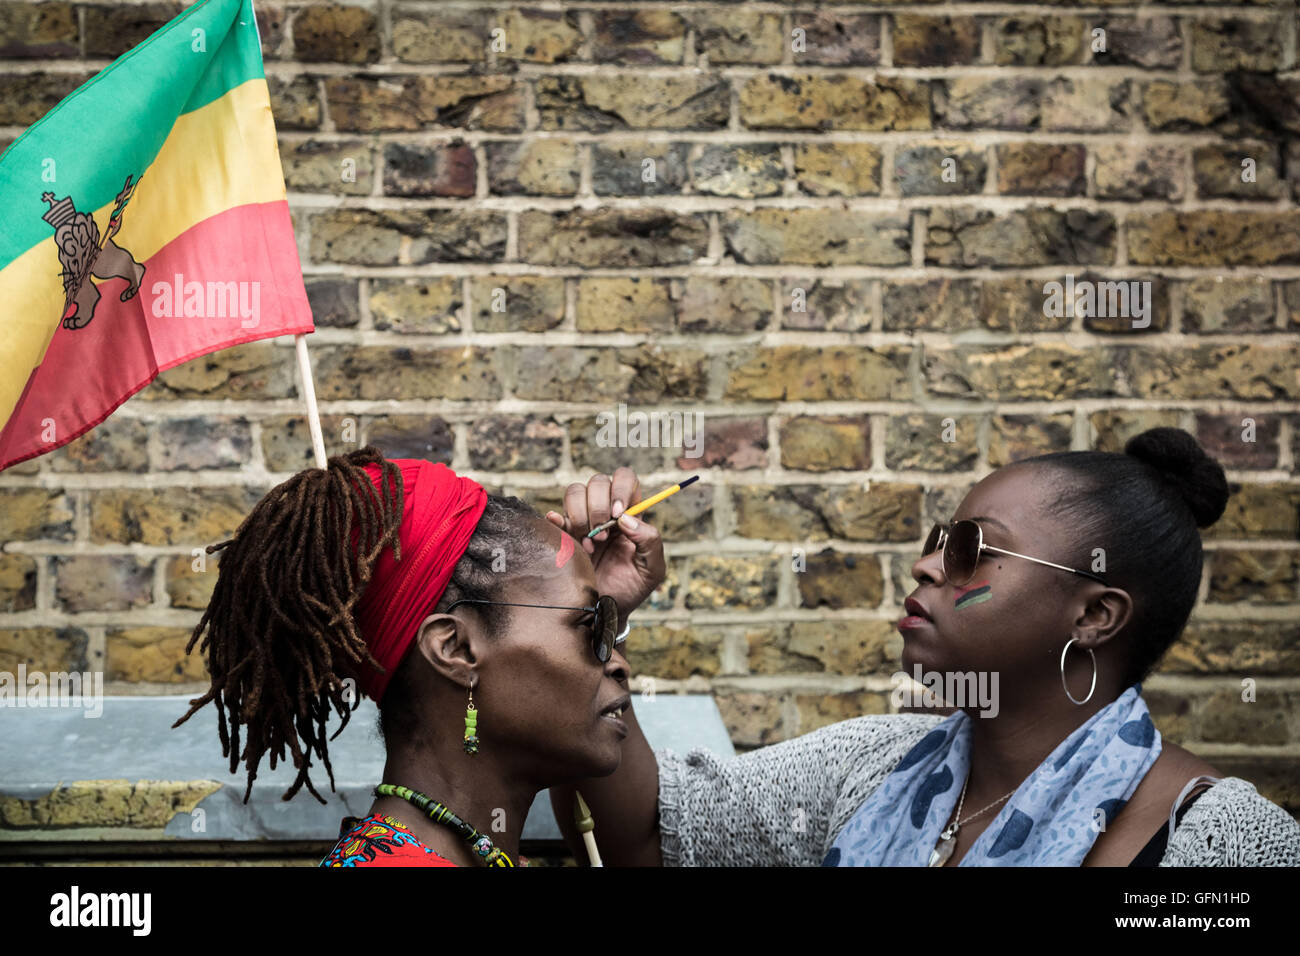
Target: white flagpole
300, 341
309, 391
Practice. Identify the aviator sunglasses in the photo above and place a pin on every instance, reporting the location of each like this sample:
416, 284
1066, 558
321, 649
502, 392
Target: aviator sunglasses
604, 629
963, 546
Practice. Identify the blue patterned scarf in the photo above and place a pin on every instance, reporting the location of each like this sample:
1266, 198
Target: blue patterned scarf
1051, 820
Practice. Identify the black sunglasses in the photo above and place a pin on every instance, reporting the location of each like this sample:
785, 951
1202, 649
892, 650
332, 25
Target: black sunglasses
963, 546
604, 636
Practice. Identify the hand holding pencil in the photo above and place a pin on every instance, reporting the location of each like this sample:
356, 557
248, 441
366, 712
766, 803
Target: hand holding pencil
629, 565
642, 506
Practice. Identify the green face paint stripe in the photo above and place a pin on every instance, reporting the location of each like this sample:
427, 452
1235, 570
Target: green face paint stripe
977, 596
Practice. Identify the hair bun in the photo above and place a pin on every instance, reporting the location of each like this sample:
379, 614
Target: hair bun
1181, 461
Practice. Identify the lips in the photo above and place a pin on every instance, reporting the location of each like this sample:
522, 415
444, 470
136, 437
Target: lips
917, 617
613, 715
616, 709
917, 609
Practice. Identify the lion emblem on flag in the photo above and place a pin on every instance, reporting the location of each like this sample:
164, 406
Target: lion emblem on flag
82, 255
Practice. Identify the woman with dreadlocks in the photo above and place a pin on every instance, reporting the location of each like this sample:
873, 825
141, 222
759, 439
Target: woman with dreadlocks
442, 603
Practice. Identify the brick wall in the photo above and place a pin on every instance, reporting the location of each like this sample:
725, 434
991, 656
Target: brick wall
825, 227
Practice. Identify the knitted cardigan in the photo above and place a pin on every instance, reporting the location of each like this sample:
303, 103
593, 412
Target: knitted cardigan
783, 805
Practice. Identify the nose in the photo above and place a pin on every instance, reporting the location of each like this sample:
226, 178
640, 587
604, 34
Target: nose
617, 666
929, 568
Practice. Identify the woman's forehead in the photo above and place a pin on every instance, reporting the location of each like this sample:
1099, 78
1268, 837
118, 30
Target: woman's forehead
559, 566
1007, 499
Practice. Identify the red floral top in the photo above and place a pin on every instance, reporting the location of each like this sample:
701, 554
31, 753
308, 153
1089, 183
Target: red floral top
379, 840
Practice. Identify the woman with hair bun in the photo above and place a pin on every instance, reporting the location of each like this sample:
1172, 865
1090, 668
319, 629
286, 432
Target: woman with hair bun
487, 637
1068, 576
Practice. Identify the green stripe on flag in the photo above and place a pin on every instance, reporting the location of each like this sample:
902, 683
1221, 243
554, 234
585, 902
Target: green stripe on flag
115, 123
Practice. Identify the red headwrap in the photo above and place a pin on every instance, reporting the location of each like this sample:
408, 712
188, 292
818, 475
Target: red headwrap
440, 510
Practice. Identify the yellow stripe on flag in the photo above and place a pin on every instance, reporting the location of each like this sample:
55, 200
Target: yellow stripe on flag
215, 158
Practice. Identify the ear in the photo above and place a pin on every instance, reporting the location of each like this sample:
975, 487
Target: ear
448, 646
1105, 615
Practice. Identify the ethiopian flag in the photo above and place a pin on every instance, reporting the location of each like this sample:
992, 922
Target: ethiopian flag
145, 224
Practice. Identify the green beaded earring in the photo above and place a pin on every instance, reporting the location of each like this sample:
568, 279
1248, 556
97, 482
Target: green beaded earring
471, 725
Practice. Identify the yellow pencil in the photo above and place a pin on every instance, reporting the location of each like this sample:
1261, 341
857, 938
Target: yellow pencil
636, 509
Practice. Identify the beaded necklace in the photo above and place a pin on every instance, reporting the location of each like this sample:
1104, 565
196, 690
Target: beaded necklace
479, 844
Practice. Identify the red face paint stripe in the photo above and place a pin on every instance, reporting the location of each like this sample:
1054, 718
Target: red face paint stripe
970, 587
566, 551
975, 596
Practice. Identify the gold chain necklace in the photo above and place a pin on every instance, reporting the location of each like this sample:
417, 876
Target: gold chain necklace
947, 839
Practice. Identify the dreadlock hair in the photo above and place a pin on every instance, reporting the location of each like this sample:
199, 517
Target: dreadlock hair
501, 542
1143, 507
279, 633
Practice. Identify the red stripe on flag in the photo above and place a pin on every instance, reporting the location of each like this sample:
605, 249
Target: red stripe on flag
239, 280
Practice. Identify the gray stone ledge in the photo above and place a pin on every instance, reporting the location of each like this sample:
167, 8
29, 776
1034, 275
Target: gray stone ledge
42, 748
